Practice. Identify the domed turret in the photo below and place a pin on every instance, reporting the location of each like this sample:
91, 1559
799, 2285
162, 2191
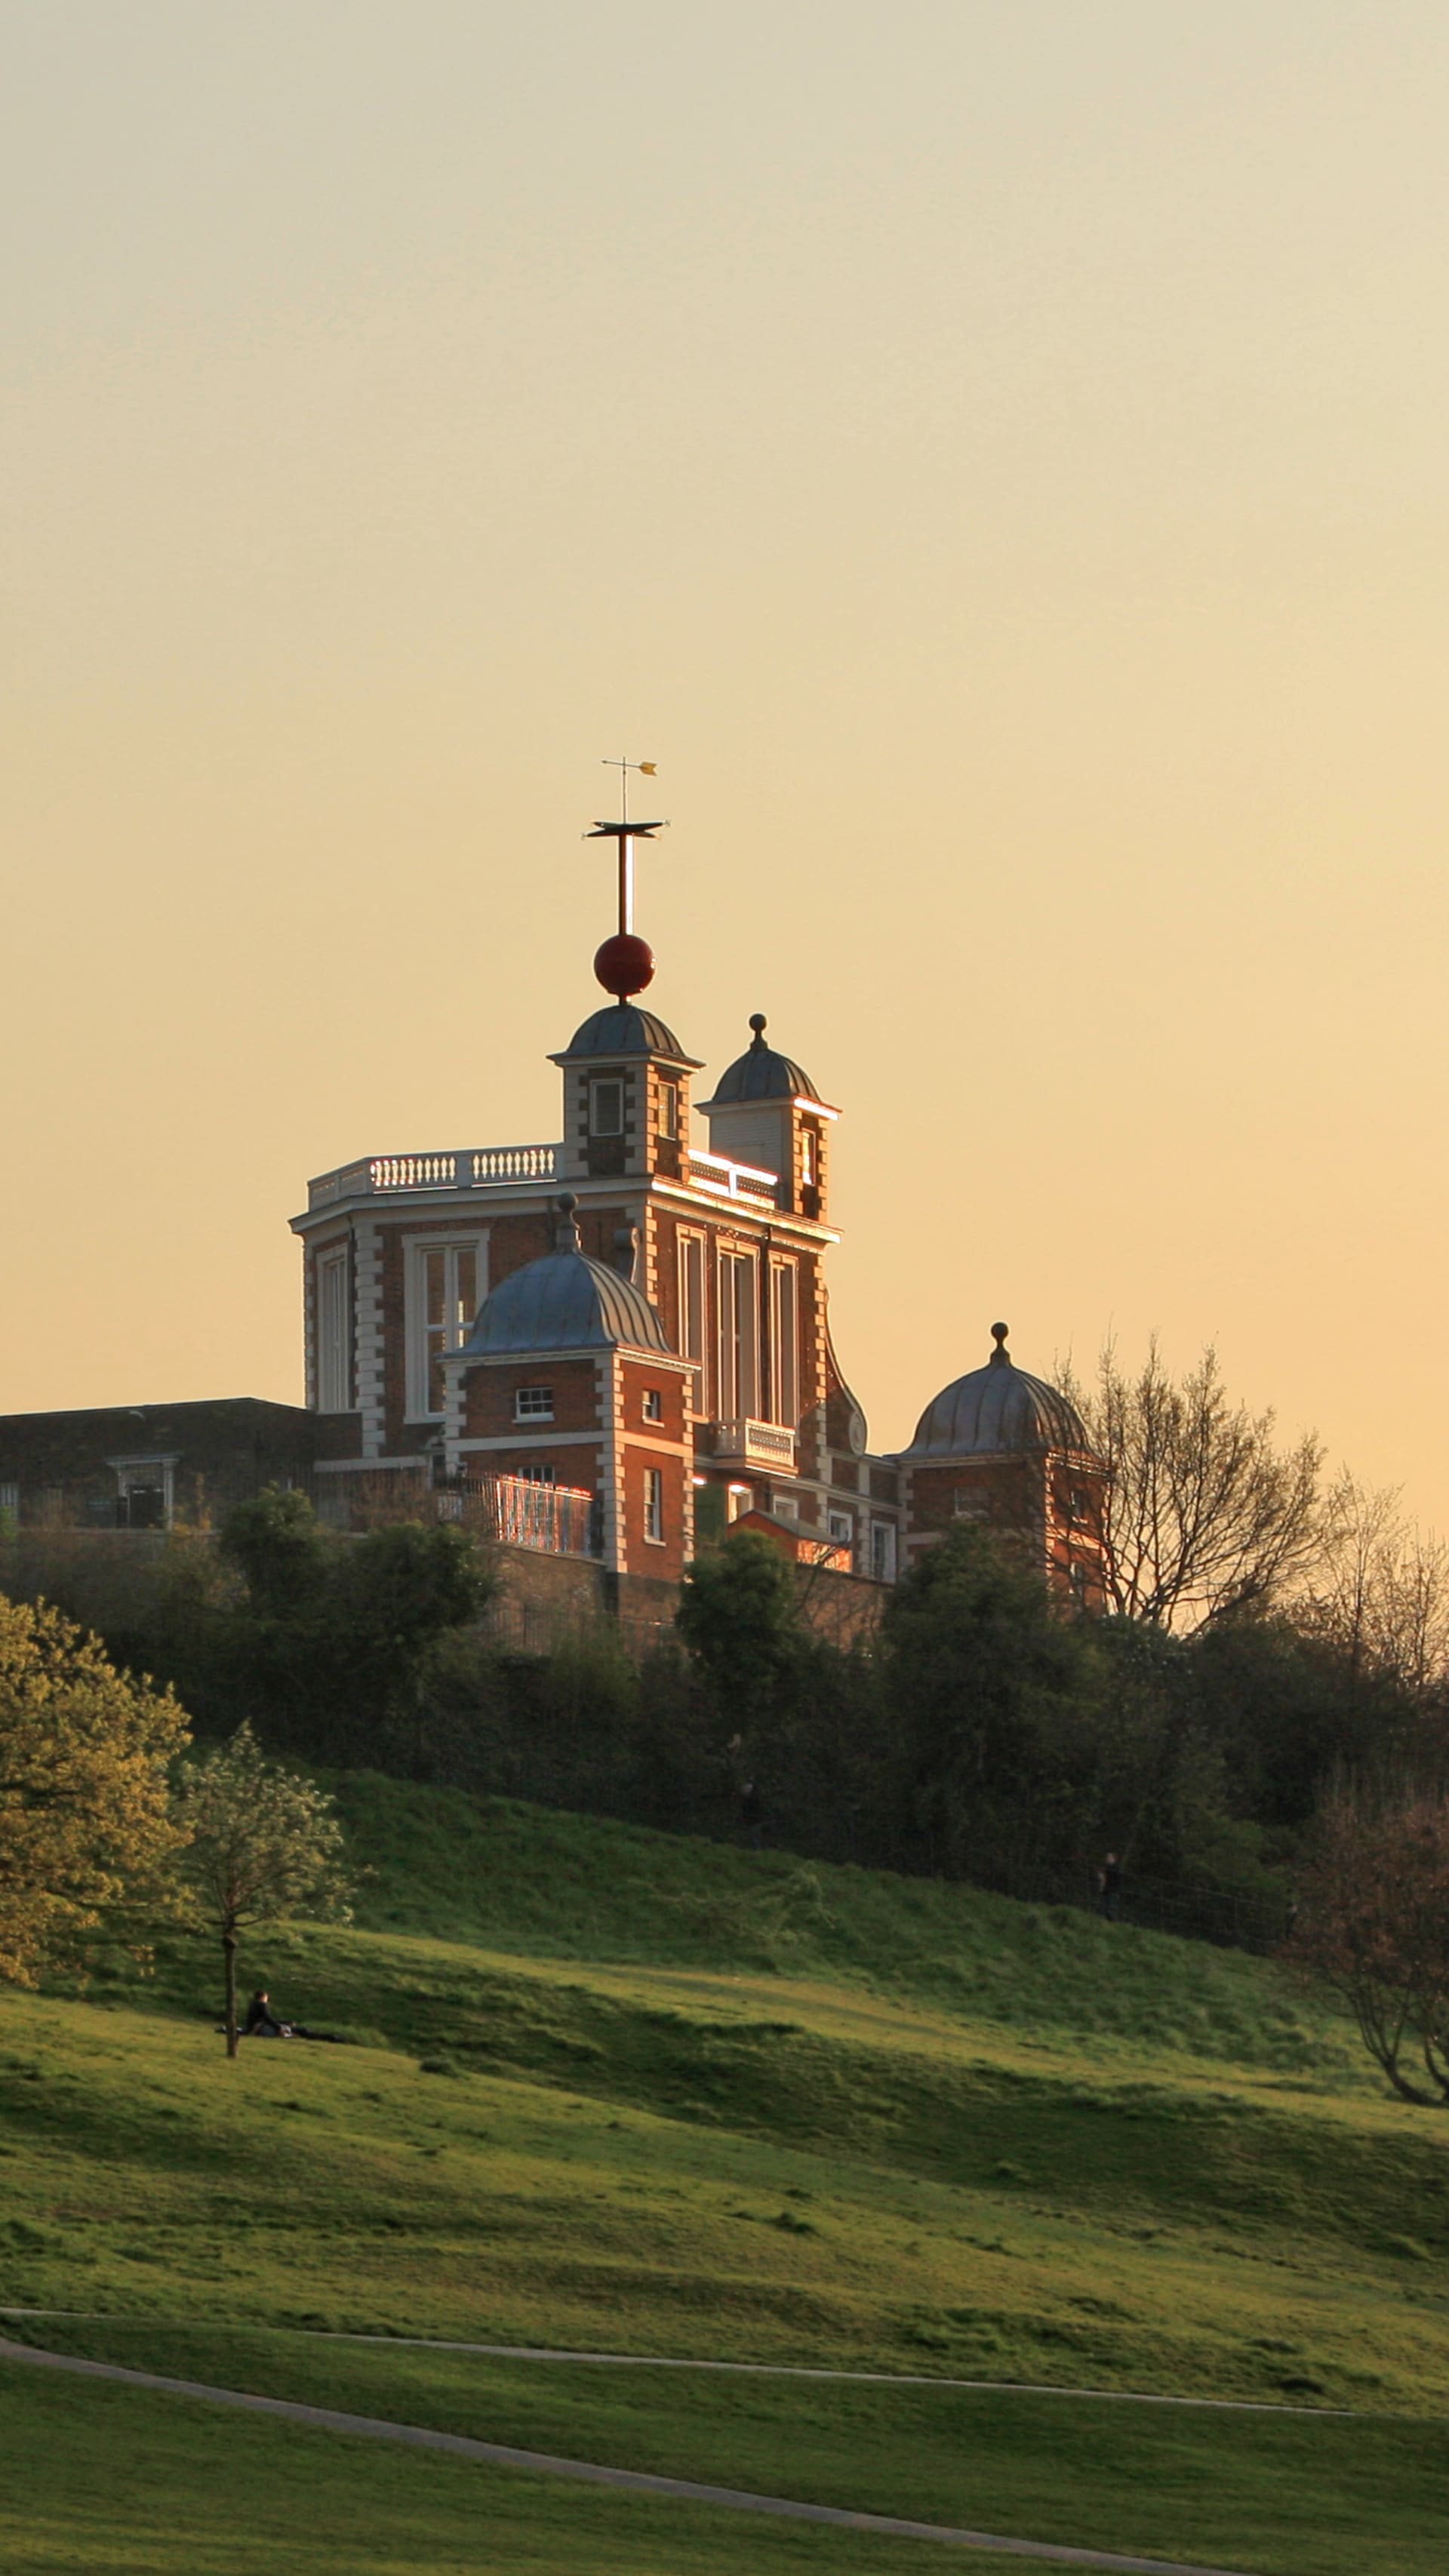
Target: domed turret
761, 1074
767, 1114
997, 1411
564, 1302
622, 1029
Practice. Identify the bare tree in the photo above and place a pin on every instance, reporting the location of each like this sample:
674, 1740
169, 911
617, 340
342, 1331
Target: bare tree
1381, 1589
1205, 1513
1373, 1923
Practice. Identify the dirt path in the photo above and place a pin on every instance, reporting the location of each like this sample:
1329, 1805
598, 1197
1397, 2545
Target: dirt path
688, 2361
329, 2420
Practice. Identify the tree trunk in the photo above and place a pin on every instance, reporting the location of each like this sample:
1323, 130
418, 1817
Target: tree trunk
228, 1952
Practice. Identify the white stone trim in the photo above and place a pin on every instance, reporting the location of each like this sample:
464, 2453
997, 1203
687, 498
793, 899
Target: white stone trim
368, 1352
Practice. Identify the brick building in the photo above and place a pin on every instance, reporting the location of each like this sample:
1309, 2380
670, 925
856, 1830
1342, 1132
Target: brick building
620, 1339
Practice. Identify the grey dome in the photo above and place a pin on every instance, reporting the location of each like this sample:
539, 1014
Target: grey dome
997, 1411
621, 1028
564, 1302
762, 1074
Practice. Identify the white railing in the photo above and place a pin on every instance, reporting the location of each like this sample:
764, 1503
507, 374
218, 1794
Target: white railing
481, 1167
759, 1444
733, 1180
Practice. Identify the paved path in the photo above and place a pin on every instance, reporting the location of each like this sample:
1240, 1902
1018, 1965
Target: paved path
669, 2361
329, 2419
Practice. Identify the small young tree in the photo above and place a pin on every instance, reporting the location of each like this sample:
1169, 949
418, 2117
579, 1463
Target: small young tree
1373, 1923
85, 1817
261, 1841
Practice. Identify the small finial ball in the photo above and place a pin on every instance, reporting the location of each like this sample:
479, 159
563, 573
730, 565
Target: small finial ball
758, 1022
999, 1332
568, 1202
624, 965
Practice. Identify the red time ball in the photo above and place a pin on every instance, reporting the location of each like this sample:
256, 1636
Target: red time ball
624, 965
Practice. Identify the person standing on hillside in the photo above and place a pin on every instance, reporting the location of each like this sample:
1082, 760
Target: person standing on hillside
1109, 1888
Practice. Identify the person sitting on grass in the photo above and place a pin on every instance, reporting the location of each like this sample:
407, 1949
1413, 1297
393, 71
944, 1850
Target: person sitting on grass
261, 2022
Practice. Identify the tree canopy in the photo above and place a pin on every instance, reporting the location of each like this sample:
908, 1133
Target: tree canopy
261, 1841
85, 1815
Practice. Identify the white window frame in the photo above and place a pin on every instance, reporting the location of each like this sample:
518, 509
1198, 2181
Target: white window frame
654, 1506
143, 1475
840, 1528
334, 1329
737, 1296
693, 1250
883, 1551
456, 1327
667, 1112
784, 1342
540, 1410
652, 1404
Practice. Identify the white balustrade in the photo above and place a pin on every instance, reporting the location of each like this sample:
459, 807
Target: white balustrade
483, 1167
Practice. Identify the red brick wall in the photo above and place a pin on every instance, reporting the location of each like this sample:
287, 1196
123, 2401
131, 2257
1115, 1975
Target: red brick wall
491, 1387
644, 1556
636, 1378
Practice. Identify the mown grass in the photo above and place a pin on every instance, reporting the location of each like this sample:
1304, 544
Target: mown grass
1088, 2473
821, 2153
116, 2481
531, 1880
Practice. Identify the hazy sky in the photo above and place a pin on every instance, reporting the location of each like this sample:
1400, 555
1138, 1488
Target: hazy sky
992, 456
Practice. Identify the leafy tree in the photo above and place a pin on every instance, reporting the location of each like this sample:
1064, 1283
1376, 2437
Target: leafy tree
1373, 1924
1205, 1513
274, 1542
994, 1698
738, 1617
85, 1820
261, 1841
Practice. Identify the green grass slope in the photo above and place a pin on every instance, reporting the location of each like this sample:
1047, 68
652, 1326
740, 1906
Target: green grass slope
619, 2091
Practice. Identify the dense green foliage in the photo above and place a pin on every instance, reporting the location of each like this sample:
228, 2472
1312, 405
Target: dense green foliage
983, 1731
84, 1806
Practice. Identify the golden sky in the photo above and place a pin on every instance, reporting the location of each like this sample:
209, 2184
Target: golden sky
991, 455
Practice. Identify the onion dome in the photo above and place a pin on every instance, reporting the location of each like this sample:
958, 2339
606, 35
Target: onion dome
564, 1302
622, 1029
761, 1074
997, 1411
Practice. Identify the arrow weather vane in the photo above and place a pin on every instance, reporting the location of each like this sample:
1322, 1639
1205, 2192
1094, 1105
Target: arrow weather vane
625, 963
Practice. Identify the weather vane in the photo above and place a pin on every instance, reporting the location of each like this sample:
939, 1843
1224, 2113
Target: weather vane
625, 963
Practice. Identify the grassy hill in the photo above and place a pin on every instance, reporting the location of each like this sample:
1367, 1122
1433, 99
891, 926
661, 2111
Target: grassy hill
616, 2091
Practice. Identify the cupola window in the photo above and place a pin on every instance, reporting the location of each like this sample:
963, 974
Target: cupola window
606, 1107
533, 1404
669, 1109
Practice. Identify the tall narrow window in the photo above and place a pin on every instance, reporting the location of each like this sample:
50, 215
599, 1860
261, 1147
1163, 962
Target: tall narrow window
654, 1503
446, 1283
691, 1316
334, 1333
606, 1108
784, 1344
669, 1109
738, 1336
810, 1157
